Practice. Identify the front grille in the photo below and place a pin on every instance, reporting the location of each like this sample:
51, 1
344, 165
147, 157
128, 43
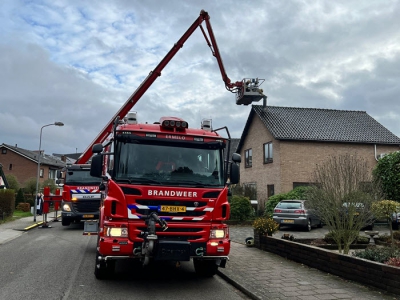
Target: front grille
86, 206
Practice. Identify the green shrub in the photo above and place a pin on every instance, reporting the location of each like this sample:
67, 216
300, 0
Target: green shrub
7, 201
359, 239
241, 208
12, 182
265, 226
396, 235
20, 197
378, 254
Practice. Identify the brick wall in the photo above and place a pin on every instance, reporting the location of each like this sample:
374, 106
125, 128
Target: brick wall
293, 161
22, 168
348, 267
260, 173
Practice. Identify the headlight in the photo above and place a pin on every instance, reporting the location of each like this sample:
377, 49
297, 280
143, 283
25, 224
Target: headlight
66, 207
217, 233
115, 231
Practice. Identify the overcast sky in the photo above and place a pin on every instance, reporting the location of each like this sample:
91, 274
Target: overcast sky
78, 62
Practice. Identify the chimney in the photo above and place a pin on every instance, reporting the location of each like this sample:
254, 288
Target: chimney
265, 103
63, 158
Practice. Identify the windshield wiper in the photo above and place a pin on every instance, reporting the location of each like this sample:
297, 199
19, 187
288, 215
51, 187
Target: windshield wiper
188, 183
137, 180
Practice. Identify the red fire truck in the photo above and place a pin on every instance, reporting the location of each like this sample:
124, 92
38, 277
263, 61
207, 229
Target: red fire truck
165, 185
167, 188
81, 196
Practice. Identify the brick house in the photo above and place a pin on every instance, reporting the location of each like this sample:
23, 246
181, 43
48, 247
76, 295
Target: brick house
23, 163
280, 146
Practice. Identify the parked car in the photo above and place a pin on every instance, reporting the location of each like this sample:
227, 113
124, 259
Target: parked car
396, 221
295, 213
359, 207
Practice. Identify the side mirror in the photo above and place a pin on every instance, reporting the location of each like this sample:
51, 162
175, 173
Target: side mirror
236, 158
234, 174
96, 168
97, 148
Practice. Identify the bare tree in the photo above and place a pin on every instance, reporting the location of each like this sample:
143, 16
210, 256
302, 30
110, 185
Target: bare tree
342, 197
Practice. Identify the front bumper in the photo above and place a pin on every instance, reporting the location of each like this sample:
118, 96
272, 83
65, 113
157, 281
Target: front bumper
123, 248
73, 216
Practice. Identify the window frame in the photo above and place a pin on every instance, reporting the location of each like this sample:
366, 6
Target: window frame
268, 152
248, 161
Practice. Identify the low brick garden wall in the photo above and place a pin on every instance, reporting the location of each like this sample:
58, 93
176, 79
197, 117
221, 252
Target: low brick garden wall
364, 271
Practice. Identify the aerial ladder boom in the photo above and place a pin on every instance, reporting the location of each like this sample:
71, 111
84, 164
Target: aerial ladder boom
247, 90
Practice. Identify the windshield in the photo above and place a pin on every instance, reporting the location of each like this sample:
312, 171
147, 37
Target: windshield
169, 165
81, 177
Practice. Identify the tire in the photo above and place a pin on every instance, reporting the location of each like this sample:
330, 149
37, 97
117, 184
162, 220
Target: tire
102, 269
205, 268
65, 222
395, 226
308, 227
320, 225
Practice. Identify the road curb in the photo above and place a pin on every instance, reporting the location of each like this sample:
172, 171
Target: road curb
238, 286
32, 226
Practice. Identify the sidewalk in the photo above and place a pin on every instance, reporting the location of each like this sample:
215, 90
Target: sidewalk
14, 229
263, 275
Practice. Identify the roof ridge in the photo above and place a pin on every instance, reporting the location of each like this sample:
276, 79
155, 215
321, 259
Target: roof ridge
311, 108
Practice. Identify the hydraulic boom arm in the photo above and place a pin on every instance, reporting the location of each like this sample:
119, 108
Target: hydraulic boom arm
246, 90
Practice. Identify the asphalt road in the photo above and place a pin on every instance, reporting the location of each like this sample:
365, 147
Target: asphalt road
58, 263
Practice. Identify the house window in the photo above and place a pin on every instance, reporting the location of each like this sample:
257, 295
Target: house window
52, 174
268, 153
250, 190
248, 158
10, 167
296, 184
3, 151
41, 172
270, 190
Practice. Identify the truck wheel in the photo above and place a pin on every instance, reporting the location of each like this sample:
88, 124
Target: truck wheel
102, 269
65, 222
205, 268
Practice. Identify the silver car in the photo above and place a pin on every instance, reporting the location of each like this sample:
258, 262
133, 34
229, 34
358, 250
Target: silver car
296, 214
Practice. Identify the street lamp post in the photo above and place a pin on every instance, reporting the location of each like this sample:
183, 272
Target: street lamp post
38, 167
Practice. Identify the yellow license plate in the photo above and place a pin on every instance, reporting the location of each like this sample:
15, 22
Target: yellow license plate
288, 221
88, 216
172, 209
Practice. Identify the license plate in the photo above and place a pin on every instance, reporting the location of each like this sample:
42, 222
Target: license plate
288, 221
88, 216
172, 209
